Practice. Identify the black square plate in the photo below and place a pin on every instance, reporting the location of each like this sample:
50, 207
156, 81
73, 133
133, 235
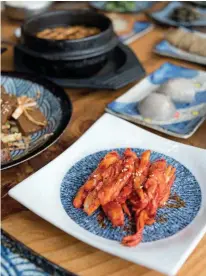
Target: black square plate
122, 68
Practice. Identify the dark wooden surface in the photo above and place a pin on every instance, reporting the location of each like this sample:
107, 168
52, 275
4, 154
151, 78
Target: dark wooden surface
88, 106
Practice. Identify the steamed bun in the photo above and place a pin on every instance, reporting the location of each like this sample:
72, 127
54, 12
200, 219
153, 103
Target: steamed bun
180, 90
157, 107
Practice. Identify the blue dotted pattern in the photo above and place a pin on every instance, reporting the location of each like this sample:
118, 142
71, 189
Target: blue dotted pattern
185, 186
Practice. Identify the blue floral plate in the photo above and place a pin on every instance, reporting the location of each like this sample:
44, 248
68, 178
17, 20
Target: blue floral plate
162, 16
54, 104
189, 116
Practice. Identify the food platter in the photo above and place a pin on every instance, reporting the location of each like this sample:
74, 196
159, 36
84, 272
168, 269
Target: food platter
105, 134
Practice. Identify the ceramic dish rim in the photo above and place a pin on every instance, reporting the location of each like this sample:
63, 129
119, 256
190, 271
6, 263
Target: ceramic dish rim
156, 127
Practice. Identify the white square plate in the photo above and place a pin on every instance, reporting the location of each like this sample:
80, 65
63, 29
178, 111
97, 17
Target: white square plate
41, 193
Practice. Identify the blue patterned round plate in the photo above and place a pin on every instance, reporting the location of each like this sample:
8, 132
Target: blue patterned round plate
169, 220
53, 103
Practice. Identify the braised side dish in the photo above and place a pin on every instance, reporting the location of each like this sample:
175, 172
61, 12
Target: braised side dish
20, 117
187, 41
184, 14
72, 32
128, 184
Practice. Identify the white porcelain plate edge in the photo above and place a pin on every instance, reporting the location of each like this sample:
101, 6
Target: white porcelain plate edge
43, 187
138, 35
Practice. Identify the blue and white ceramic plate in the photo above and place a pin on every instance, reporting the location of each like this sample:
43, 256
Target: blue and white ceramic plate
72, 168
19, 260
140, 28
185, 186
135, 7
164, 48
54, 104
189, 116
162, 16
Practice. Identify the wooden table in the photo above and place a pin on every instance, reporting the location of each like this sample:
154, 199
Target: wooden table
43, 237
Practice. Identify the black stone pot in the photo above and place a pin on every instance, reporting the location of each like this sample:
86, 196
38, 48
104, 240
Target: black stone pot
86, 47
76, 58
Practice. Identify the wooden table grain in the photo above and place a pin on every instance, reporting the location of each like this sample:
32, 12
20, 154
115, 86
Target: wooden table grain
88, 106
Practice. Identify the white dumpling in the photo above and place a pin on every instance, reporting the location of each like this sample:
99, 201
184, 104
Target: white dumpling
157, 107
180, 90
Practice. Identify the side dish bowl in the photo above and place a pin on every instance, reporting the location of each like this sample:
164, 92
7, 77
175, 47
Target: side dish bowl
53, 103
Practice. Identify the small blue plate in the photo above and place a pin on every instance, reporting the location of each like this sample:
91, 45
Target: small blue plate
53, 103
164, 48
162, 16
189, 116
139, 6
176, 219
